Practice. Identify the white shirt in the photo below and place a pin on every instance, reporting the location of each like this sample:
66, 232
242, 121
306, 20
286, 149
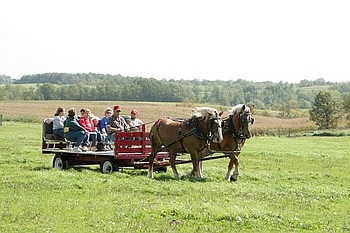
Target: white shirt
58, 122
137, 123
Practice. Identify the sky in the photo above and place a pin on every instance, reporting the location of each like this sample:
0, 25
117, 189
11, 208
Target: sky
269, 40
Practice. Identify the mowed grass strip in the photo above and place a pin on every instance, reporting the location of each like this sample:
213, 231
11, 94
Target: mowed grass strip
285, 185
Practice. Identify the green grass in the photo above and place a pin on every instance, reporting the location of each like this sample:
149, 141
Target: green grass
285, 185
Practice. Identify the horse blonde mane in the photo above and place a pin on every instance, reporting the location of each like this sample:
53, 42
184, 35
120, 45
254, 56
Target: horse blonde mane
238, 108
203, 111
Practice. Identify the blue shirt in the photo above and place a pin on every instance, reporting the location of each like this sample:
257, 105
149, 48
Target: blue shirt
103, 123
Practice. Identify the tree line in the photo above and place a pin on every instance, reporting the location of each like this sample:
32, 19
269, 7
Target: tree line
280, 96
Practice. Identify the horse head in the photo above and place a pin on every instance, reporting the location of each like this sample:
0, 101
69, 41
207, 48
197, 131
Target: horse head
242, 120
211, 121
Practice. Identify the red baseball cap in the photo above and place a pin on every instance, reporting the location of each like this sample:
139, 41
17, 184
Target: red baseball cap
134, 111
117, 108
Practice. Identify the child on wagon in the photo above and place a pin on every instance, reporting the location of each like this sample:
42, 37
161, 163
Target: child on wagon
135, 123
86, 122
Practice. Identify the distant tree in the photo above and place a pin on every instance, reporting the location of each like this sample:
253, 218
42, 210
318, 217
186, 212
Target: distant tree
48, 91
320, 81
346, 106
5, 79
287, 108
326, 110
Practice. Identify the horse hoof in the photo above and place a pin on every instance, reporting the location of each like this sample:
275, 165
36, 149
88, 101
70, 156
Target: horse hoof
233, 179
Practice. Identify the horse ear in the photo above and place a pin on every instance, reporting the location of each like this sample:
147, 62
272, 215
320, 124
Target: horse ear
243, 107
220, 113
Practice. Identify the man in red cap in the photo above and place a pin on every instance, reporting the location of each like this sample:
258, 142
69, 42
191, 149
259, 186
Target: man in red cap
116, 123
135, 123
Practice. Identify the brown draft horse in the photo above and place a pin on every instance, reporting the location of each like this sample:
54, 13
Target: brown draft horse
191, 136
236, 129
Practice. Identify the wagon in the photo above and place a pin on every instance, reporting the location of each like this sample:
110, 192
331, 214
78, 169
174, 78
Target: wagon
131, 149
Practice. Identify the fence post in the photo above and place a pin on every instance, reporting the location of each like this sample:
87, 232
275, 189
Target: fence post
279, 132
0, 119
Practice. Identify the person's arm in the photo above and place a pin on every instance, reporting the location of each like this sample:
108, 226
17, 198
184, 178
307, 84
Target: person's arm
111, 129
76, 126
126, 125
93, 129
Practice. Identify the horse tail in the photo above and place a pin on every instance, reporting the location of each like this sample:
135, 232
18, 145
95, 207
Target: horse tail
154, 137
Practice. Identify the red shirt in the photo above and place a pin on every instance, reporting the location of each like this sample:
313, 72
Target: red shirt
87, 124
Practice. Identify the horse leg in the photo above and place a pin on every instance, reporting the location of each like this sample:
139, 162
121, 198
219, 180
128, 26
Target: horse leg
172, 164
150, 165
236, 171
196, 169
200, 167
190, 174
233, 160
229, 168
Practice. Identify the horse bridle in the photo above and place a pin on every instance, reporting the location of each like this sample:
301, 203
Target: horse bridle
217, 121
199, 132
231, 128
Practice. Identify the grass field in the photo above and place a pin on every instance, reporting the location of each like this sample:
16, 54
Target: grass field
299, 184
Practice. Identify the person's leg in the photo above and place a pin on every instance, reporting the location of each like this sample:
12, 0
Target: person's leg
99, 137
77, 137
59, 132
93, 139
85, 139
111, 137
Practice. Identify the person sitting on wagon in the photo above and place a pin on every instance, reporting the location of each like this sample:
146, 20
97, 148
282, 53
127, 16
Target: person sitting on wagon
116, 123
104, 145
74, 132
58, 122
103, 124
135, 123
86, 122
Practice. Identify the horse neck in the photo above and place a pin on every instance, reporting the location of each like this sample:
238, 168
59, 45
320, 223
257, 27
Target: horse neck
202, 123
234, 124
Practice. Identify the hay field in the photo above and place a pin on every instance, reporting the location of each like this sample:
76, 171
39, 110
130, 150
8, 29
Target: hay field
148, 112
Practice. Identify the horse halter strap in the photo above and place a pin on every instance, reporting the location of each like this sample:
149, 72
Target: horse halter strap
198, 130
231, 127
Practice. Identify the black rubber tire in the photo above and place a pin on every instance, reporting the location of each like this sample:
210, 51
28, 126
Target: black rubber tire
59, 162
108, 166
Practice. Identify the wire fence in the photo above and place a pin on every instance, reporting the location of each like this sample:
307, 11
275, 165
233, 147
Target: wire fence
282, 132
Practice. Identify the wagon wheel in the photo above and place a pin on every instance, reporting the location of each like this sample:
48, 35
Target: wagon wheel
108, 166
59, 162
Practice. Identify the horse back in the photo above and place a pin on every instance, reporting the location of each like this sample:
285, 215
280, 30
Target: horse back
174, 135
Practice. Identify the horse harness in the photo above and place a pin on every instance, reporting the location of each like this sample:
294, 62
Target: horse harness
229, 129
197, 130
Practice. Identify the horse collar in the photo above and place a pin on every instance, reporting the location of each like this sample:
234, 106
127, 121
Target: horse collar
231, 128
198, 130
